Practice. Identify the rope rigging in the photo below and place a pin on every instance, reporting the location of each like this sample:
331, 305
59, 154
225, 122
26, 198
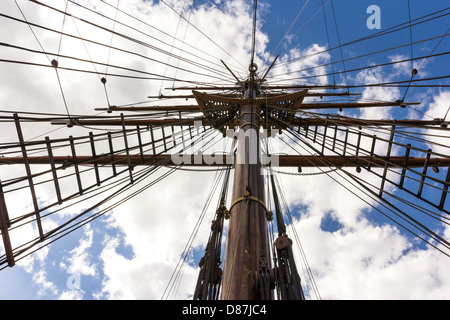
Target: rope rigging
210, 275
287, 280
132, 146
395, 210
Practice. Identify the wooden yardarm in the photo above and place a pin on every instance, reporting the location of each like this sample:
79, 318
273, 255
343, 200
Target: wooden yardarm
254, 267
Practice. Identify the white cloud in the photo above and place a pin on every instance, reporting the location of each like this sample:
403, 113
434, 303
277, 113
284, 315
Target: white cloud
71, 295
438, 109
142, 277
440, 105
361, 260
375, 93
79, 261
45, 286
158, 233
301, 65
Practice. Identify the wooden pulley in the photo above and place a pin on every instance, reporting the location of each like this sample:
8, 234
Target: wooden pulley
272, 278
282, 242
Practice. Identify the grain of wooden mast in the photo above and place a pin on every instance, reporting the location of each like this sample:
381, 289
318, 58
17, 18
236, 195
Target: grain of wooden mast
247, 238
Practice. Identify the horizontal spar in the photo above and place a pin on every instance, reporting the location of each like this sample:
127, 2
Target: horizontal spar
152, 108
295, 122
367, 122
354, 105
132, 122
223, 160
303, 106
309, 94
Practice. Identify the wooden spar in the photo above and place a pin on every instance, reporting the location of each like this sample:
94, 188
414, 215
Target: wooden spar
4, 225
303, 106
247, 238
298, 121
309, 94
284, 160
232, 73
29, 176
365, 122
189, 108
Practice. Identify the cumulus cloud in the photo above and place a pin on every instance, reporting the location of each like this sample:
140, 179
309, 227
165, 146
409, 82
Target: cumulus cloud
373, 76
438, 109
78, 260
40, 279
360, 259
300, 66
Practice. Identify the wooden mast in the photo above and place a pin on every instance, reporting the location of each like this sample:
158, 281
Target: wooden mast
247, 239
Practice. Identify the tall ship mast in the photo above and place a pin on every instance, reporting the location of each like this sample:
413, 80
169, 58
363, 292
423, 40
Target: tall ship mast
249, 127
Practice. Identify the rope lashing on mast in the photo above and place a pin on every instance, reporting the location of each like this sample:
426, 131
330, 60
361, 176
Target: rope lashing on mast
246, 197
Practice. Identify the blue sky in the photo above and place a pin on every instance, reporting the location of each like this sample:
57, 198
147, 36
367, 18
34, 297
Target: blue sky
57, 279
139, 242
